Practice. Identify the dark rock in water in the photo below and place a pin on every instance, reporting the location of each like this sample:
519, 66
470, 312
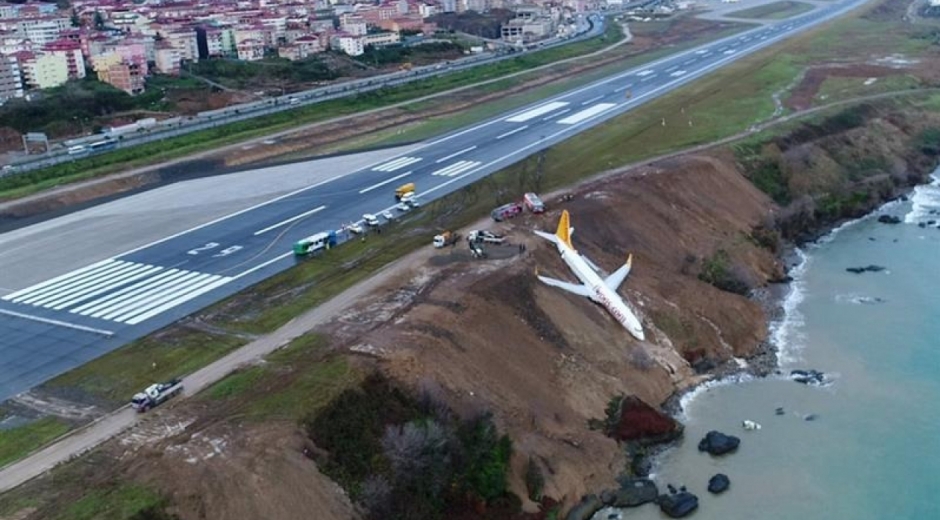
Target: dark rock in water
779, 411
807, 376
672, 489
678, 505
717, 443
704, 365
811, 417
718, 483
632, 493
903, 198
921, 225
585, 509
931, 222
871, 238
889, 219
781, 279
895, 241
682, 489
641, 466
640, 422
867, 268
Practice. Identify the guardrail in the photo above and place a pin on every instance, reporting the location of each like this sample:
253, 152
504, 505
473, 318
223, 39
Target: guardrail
236, 113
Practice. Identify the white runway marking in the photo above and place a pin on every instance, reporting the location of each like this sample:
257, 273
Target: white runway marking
386, 181
677, 73
577, 117
397, 164
556, 114
57, 323
646, 72
509, 133
288, 221
117, 290
670, 69
625, 87
455, 154
456, 168
536, 112
592, 100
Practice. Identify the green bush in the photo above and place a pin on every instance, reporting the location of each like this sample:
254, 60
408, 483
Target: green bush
716, 270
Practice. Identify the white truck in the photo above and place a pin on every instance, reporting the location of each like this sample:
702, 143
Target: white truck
156, 394
481, 235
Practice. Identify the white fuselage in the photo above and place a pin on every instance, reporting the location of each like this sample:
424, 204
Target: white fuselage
601, 293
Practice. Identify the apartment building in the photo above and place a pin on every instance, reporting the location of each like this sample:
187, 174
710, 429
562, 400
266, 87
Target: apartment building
250, 50
72, 52
381, 39
185, 41
167, 59
42, 30
11, 83
129, 77
42, 70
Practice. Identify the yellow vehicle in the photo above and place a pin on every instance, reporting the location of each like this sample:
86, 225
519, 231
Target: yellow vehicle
404, 189
405, 66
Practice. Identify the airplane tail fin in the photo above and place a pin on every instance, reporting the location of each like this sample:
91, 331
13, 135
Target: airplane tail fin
564, 229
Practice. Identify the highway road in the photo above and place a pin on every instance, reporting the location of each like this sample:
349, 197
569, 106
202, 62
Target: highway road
53, 325
587, 27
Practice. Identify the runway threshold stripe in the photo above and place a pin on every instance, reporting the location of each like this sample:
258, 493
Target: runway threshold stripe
179, 301
536, 112
137, 275
55, 280
31, 294
514, 131
101, 305
145, 299
170, 296
70, 286
455, 154
577, 117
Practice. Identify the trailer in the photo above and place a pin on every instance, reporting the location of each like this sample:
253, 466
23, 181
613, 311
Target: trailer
481, 235
156, 394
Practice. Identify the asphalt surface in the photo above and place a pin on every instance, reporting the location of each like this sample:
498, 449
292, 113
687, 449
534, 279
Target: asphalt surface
51, 326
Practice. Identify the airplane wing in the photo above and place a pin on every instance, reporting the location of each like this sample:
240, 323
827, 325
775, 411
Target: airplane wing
592, 264
580, 290
547, 236
617, 277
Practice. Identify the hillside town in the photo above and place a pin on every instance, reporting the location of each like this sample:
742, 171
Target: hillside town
43, 45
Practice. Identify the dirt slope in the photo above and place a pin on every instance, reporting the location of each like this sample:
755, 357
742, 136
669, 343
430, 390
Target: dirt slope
545, 361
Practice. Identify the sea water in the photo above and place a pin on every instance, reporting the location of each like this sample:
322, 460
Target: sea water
872, 448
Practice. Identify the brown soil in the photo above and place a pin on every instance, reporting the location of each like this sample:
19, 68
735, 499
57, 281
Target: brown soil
190, 102
545, 361
801, 98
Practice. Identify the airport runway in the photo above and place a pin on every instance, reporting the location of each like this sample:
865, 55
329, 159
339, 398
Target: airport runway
48, 327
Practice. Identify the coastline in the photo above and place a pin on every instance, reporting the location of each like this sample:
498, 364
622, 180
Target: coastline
780, 302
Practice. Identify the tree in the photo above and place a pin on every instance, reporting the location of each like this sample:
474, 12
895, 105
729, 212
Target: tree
99, 20
76, 22
63, 4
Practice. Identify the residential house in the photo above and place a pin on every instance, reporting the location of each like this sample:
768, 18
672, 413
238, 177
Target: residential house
353, 25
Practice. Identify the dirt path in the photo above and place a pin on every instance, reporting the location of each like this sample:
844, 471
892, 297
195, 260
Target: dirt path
95, 433
7, 205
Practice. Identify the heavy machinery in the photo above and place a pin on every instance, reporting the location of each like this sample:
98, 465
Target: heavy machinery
446, 238
403, 190
481, 235
156, 394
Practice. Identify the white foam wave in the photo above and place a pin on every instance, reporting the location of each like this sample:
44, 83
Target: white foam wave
693, 394
786, 333
858, 299
924, 200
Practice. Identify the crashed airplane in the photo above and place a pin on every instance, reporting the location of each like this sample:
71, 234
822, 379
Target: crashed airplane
602, 291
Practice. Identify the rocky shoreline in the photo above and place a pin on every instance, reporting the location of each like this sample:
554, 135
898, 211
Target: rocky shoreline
764, 362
